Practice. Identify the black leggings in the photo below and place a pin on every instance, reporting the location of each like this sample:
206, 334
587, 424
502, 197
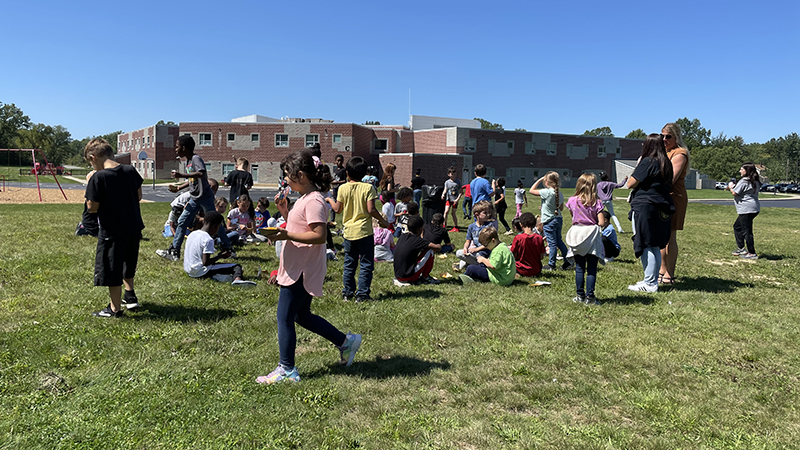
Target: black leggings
501, 214
743, 231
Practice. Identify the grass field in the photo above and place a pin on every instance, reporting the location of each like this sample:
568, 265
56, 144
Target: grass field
710, 363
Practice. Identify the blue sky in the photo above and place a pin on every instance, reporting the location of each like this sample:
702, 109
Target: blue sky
564, 67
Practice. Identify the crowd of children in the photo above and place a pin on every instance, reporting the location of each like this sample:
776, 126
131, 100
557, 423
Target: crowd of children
393, 232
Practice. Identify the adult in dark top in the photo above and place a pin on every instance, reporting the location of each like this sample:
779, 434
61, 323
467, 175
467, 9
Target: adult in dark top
413, 255
651, 209
416, 185
240, 180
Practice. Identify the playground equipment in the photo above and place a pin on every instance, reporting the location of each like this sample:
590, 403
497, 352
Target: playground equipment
37, 168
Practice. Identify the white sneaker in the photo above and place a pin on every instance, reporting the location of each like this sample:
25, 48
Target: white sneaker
243, 283
643, 287
399, 283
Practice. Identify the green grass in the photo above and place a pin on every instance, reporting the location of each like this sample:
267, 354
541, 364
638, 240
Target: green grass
711, 363
12, 174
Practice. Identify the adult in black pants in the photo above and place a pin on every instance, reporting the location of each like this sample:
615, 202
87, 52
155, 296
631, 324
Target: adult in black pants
745, 198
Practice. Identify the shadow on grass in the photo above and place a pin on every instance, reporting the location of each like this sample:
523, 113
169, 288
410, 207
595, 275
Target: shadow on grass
769, 257
630, 299
705, 284
174, 313
409, 292
382, 368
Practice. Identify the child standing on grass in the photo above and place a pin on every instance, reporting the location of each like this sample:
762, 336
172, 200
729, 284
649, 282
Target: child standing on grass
528, 247
197, 259
114, 193
451, 195
584, 237
414, 256
240, 180
552, 222
466, 205
605, 192
356, 202
480, 188
499, 267
520, 198
303, 263
500, 205
484, 217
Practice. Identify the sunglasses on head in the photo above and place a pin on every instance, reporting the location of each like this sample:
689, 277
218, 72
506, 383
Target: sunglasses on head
666, 136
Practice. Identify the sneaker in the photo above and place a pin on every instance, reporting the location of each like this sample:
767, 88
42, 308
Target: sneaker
508, 233
567, 266
278, 375
643, 287
453, 230
169, 254
429, 280
466, 279
347, 297
548, 267
347, 352
399, 283
591, 300
243, 283
363, 298
331, 255
579, 299
233, 254
740, 252
222, 278
107, 312
130, 301
749, 256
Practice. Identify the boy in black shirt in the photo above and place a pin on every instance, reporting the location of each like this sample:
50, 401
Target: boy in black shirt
240, 180
114, 192
435, 232
413, 255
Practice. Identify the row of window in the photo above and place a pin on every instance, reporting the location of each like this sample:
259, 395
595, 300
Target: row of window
281, 140
138, 141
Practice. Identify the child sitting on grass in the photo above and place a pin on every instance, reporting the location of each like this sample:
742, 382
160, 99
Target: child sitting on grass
414, 256
610, 244
484, 215
261, 218
197, 259
528, 247
384, 242
240, 222
499, 267
436, 232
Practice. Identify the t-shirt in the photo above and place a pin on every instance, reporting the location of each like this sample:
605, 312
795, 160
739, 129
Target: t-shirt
401, 220
584, 215
417, 182
505, 267
198, 243
500, 194
239, 181
339, 175
451, 189
474, 231
527, 250
354, 197
407, 252
435, 234
370, 179
181, 200
117, 191
519, 195
198, 187
605, 189
307, 260
549, 204
261, 219
611, 234
238, 218
388, 211
746, 200
467, 191
481, 190
653, 188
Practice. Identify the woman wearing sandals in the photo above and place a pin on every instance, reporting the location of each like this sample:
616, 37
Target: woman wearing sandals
745, 197
678, 154
651, 208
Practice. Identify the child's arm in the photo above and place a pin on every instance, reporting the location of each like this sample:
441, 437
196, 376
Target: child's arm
433, 246
534, 189
524, 197
92, 206
336, 206
376, 214
601, 220
485, 261
208, 259
317, 235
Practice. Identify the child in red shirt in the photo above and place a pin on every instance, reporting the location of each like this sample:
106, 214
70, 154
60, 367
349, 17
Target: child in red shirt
528, 247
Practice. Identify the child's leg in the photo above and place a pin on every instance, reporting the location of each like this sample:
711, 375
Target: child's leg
468, 258
366, 250
300, 309
549, 229
501, 214
519, 210
349, 270
748, 233
651, 263
591, 274
580, 269
455, 215
477, 272
738, 231
422, 269
224, 269
446, 211
186, 218
559, 241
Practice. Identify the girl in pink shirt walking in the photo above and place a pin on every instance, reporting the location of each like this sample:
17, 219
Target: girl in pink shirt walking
303, 266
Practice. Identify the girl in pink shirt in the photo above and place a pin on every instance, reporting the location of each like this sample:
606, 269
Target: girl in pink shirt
585, 236
303, 264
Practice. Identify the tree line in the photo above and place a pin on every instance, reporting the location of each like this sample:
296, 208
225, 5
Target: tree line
55, 141
720, 156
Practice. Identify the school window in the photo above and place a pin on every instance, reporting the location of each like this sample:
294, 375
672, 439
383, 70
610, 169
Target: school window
337, 138
281, 140
618, 151
381, 145
510, 145
231, 136
529, 150
551, 149
312, 139
601, 151
148, 141
205, 139
254, 137
470, 145
227, 168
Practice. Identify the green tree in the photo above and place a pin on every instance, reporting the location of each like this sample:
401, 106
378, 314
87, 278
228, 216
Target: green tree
54, 142
11, 121
636, 134
486, 125
694, 135
602, 131
783, 161
719, 163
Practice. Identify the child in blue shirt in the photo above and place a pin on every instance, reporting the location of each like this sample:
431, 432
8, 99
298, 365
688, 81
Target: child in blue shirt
484, 217
610, 243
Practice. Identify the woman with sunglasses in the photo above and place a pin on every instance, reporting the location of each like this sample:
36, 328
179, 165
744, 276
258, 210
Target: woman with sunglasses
678, 154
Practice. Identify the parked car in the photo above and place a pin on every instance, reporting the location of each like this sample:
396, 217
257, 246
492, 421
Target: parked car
767, 188
789, 188
720, 186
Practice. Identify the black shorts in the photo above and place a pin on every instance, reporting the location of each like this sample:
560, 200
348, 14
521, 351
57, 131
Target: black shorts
116, 259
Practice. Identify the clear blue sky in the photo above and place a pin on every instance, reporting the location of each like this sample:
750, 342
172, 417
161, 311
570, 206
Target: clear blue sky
97, 67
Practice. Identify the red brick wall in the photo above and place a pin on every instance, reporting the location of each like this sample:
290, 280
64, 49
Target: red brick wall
432, 141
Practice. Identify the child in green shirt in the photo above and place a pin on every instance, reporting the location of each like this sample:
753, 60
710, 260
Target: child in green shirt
499, 268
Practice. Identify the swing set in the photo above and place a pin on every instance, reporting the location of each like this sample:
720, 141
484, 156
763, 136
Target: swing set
36, 167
